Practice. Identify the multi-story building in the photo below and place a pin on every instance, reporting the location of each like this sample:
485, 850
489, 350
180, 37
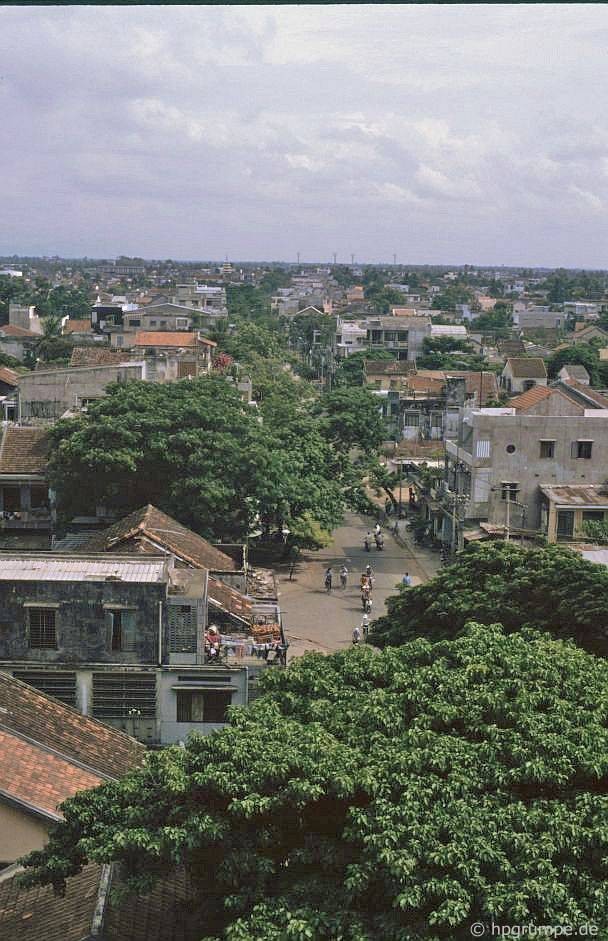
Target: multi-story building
401, 336
46, 394
502, 458
200, 296
122, 638
26, 503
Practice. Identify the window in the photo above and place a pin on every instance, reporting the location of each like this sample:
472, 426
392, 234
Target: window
12, 498
124, 695
510, 449
42, 628
593, 516
509, 491
122, 630
60, 684
207, 705
182, 628
120, 340
402, 336
152, 323
565, 524
39, 496
528, 384
136, 322
582, 449
482, 448
547, 448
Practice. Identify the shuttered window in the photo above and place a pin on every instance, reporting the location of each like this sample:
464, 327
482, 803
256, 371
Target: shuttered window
122, 630
57, 683
182, 628
124, 695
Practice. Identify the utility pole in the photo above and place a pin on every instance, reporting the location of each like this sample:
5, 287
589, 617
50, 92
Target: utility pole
298, 259
335, 256
508, 527
352, 259
394, 259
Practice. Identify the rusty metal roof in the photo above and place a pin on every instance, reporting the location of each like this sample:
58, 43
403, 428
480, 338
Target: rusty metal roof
577, 495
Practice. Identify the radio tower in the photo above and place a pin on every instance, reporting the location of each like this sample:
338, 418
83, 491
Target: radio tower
394, 259
298, 258
352, 259
335, 255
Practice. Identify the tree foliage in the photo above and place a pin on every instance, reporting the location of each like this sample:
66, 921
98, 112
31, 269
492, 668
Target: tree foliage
196, 451
401, 796
350, 372
352, 418
550, 588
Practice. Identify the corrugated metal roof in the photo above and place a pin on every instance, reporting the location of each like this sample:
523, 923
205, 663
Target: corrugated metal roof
21, 568
577, 495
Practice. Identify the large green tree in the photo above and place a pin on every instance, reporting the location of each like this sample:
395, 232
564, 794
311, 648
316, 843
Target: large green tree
352, 418
402, 796
195, 450
550, 587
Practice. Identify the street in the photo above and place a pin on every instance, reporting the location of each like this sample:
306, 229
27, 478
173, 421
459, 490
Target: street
316, 620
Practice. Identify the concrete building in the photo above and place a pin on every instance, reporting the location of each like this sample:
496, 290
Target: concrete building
521, 373
46, 394
401, 336
20, 315
158, 317
502, 457
566, 508
120, 638
538, 317
17, 341
198, 296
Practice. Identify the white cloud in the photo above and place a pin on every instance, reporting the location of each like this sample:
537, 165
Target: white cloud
329, 126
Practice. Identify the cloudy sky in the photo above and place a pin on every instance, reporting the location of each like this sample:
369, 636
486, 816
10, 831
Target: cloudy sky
445, 134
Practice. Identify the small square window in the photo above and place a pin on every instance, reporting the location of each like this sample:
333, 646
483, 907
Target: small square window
582, 449
42, 628
547, 448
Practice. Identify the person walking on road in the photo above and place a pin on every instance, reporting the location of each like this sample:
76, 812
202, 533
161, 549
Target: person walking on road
406, 581
328, 580
343, 576
356, 636
367, 542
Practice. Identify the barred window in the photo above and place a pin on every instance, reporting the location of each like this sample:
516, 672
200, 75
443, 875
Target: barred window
42, 628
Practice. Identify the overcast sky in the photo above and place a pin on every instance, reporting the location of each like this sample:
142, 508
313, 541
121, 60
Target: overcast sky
446, 134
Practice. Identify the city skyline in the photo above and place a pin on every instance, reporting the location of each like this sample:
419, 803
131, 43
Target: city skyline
447, 135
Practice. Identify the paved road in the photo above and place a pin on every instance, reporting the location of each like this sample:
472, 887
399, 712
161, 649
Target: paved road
314, 620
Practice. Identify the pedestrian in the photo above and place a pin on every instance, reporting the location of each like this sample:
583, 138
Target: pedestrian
365, 627
379, 541
406, 581
356, 636
343, 576
377, 529
369, 572
328, 579
396, 528
367, 541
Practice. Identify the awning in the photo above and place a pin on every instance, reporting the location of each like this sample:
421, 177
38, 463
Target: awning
190, 687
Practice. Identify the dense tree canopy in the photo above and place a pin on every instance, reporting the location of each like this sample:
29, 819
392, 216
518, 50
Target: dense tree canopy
196, 451
352, 418
399, 796
550, 588
587, 355
349, 371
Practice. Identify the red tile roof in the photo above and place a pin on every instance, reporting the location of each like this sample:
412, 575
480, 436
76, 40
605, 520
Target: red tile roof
170, 912
12, 330
77, 326
92, 356
132, 533
27, 712
9, 376
532, 397
178, 340
31, 775
24, 450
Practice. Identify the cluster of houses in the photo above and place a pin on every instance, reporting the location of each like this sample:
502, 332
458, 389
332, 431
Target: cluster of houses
533, 466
